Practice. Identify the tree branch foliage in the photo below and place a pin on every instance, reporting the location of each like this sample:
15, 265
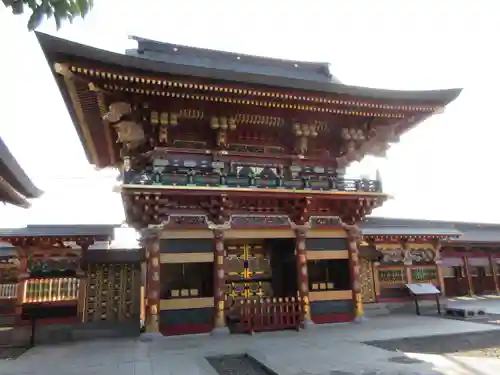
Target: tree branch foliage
60, 10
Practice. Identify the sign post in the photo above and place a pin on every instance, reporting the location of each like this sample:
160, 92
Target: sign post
419, 290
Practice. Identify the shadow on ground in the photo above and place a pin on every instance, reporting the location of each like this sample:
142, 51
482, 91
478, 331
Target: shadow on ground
11, 353
474, 344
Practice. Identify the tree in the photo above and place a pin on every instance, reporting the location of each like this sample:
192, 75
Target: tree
60, 10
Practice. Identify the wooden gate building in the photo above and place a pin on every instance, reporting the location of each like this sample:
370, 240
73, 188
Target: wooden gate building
459, 258
233, 169
68, 280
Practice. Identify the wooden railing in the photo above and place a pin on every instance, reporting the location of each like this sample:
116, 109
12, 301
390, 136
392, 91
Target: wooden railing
8, 291
51, 289
268, 315
326, 183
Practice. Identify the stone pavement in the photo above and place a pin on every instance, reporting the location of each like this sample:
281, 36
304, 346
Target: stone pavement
321, 350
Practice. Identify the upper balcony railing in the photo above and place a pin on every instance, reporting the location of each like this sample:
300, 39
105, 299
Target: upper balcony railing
191, 178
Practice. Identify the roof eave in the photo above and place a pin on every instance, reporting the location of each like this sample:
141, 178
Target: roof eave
20, 180
66, 98
15, 197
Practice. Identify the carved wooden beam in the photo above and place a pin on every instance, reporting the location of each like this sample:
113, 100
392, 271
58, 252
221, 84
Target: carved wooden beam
383, 136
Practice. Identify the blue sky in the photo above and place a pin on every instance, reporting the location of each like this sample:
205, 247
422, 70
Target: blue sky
445, 169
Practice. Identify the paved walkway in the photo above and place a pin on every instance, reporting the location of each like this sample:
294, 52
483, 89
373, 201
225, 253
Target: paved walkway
321, 350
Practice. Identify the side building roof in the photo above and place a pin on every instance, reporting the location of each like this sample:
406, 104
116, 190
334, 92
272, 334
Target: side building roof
65, 232
15, 186
458, 232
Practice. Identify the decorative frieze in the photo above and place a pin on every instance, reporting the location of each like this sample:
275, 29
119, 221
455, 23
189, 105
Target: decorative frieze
186, 221
324, 222
158, 87
260, 221
191, 176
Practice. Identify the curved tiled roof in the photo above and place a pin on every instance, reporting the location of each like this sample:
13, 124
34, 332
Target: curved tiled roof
55, 48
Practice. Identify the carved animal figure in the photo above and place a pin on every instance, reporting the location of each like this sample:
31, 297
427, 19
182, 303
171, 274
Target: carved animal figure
116, 111
130, 134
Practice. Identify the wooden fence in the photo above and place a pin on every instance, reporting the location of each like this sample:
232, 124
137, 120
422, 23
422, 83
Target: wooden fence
8, 291
268, 315
50, 289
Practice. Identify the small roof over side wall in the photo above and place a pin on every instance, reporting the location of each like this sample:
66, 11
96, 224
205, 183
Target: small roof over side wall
15, 185
477, 233
378, 226
59, 232
456, 232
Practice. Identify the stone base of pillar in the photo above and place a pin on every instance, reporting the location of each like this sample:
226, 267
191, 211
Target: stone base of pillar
360, 319
220, 331
307, 323
150, 336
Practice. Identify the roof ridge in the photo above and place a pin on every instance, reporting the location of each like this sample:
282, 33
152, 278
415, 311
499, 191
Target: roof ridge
222, 53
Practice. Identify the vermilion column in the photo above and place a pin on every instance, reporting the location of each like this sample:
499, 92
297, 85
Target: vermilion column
303, 279
353, 237
219, 279
153, 285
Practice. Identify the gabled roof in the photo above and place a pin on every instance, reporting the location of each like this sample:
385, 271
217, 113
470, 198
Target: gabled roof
15, 185
259, 71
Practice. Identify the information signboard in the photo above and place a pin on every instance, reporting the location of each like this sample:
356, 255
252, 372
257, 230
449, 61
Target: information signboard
424, 289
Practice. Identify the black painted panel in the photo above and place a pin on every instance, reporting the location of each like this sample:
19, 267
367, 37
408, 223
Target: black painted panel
187, 316
115, 256
332, 307
319, 244
188, 245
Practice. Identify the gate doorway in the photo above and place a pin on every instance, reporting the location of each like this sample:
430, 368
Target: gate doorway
261, 285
